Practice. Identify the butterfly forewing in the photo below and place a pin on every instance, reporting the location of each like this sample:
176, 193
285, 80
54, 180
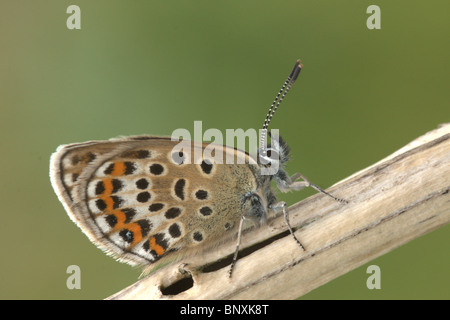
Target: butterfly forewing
141, 198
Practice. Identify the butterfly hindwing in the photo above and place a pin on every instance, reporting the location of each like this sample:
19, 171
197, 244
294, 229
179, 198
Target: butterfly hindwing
140, 198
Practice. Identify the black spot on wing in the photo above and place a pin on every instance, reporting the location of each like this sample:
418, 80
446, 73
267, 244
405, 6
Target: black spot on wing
179, 188
172, 213
201, 194
143, 196
155, 207
206, 166
197, 236
142, 183
156, 169
205, 211
174, 230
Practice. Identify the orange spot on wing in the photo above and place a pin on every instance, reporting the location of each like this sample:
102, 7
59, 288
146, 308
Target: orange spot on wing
119, 169
121, 217
137, 232
108, 186
154, 246
109, 203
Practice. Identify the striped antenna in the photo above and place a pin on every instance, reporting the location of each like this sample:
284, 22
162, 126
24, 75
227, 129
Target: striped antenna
277, 101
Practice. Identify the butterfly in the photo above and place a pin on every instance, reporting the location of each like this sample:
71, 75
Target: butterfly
145, 200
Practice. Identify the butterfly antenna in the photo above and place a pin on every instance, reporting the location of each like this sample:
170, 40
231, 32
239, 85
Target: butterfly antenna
277, 101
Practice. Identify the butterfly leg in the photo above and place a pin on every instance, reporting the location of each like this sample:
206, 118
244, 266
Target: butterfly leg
283, 207
233, 262
286, 183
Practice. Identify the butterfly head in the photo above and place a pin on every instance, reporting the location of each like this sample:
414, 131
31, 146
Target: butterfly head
271, 158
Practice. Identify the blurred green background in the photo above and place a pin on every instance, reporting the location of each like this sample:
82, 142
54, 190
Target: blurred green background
150, 67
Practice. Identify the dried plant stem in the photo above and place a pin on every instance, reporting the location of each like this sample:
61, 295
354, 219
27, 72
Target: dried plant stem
390, 203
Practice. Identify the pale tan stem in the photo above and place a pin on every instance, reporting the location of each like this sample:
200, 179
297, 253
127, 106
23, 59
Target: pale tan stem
390, 203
